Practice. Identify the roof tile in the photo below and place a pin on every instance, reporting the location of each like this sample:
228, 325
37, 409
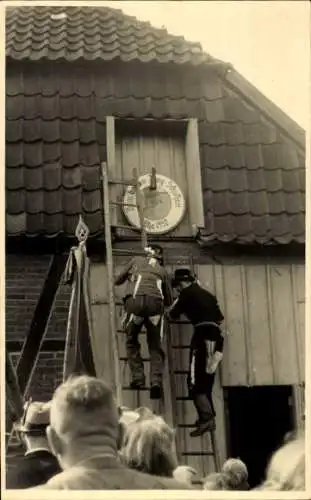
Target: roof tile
93, 33
253, 175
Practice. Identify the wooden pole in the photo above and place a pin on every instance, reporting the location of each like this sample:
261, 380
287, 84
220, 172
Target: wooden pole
140, 208
110, 276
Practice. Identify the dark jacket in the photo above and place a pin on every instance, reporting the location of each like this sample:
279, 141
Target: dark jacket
107, 473
150, 277
31, 470
198, 305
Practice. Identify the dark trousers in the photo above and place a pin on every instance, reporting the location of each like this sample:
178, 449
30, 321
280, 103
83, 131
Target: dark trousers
200, 383
147, 311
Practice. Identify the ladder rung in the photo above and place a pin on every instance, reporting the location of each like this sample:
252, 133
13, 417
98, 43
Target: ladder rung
128, 388
198, 453
122, 182
121, 204
123, 251
106, 302
121, 226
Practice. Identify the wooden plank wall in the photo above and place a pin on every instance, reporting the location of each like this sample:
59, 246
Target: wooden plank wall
166, 154
192, 450
264, 309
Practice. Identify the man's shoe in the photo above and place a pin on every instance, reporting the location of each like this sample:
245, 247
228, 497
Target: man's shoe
204, 427
156, 392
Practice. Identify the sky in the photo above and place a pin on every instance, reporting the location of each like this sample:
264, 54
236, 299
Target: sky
268, 42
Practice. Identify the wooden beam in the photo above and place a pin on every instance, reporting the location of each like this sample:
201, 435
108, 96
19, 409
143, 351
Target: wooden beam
111, 295
193, 168
111, 168
33, 342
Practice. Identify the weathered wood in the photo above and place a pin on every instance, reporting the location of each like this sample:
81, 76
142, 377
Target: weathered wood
220, 433
112, 168
299, 405
194, 177
259, 329
33, 342
169, 386
140, 208
110, 276
284, 328
298, 307
234, 366
166, 154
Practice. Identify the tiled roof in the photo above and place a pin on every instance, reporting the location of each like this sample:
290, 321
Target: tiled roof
72, 33
252, 159
253, 174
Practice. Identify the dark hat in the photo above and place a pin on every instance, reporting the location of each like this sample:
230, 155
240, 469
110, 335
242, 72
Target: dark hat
182, 275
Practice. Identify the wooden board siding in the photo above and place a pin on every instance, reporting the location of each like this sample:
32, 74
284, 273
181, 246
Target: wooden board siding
172, 147
166, 154
264, 309
251, 356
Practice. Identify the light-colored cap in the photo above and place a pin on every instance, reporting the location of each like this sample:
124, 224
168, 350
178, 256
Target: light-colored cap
36, 416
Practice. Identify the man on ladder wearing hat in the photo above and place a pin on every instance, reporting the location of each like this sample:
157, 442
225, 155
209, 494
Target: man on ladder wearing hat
201, 308
148, 291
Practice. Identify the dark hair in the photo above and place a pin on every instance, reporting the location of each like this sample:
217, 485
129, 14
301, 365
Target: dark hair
157, 248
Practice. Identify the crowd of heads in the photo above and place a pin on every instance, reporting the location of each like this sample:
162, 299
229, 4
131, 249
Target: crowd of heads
86, 422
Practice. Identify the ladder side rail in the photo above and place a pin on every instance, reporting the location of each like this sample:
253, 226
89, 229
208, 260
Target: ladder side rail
110, 276
169, 386
213, 440
140, 208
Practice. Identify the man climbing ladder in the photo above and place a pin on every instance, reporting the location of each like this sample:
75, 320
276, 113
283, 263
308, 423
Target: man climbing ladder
202, 309
148, 292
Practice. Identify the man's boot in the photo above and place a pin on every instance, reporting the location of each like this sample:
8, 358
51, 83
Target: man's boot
134, 358
156, 392
206, 421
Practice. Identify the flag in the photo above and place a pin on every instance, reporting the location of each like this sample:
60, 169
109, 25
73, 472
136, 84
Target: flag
78, 358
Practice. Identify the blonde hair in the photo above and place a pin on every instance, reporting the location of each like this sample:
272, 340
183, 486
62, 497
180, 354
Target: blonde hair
148, 446
286, 470
84, 406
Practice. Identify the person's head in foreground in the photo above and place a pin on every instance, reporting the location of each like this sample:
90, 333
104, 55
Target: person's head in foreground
237, 474
33, 425
148, 446
83, 420
286, 470
38, 464
216, 481
127, 417
185, 474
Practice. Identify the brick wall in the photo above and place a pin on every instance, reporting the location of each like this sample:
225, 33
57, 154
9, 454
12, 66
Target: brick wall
25, 275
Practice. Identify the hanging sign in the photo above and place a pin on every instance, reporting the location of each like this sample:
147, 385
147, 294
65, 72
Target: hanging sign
164, 208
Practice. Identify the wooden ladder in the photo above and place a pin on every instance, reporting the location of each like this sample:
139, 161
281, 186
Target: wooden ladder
187, 262
110, 252
163, 406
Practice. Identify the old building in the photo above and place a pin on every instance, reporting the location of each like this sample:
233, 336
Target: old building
84, 86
